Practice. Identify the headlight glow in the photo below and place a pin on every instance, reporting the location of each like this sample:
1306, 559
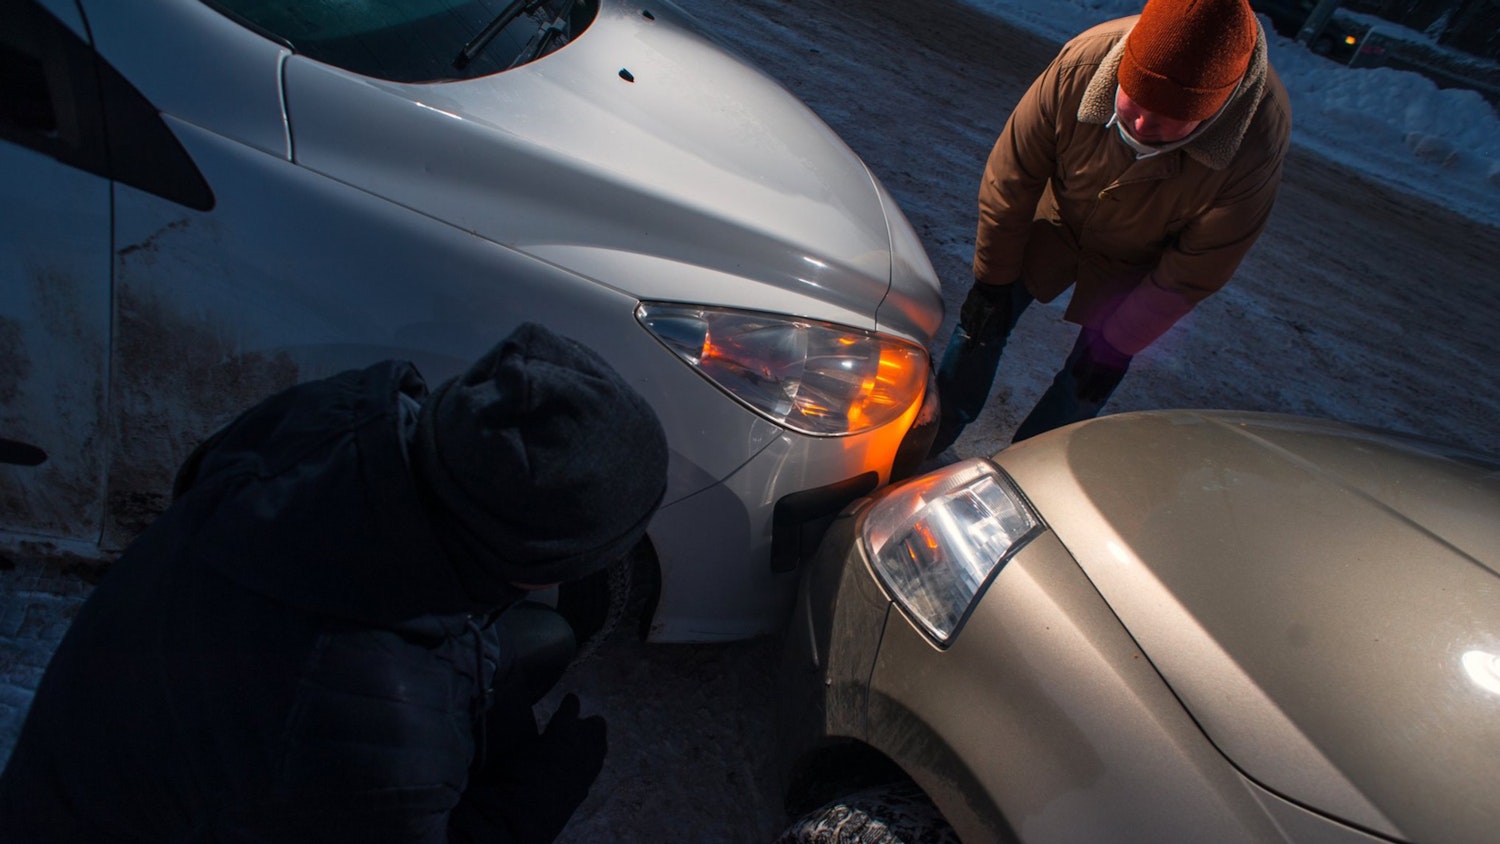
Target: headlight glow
815, 377
935, 540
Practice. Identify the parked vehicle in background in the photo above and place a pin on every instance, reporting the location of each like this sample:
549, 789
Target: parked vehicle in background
206, 201
1158, 626
1338, 39
1399, 48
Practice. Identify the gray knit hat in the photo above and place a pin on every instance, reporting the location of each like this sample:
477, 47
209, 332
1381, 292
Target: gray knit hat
542, 464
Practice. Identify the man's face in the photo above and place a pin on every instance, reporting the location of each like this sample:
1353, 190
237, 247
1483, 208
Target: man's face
1149, 127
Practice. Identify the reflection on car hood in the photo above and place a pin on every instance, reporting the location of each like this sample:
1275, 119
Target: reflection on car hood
641, 155
1324, 600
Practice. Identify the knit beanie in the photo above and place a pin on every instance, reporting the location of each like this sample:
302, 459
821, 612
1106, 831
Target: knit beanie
1184, 58
540, 462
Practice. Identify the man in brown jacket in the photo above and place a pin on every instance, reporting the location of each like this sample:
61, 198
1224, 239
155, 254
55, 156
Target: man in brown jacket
1138, 169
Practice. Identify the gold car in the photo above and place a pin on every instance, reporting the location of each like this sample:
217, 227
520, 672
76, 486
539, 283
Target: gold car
1158, 627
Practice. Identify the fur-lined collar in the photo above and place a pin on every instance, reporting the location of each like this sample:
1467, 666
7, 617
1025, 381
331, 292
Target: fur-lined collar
1216, 145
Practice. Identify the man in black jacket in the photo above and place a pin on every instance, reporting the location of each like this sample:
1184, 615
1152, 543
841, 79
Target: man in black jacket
305, 646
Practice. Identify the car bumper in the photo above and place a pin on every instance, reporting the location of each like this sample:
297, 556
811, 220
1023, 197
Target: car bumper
730, 554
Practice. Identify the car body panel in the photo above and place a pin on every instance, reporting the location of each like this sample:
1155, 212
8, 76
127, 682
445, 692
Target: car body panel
429, 292
1031, 725
1237, 626
251, 330
1095, 763
68, 13
424, 222
54, 294
1303, 826
1302, 587
714, 601
832, 640
178, 269
564, 160
912, 301
234, 86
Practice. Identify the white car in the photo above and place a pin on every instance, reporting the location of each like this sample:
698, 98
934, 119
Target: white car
205, 201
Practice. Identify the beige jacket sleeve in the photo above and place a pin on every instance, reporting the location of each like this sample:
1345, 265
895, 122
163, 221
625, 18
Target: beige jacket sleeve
1015, 176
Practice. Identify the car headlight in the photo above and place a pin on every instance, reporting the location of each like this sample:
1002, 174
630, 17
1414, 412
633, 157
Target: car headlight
937, 539
815, 377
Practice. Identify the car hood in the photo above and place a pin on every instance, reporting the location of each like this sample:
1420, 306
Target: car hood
1324, 600
642, 155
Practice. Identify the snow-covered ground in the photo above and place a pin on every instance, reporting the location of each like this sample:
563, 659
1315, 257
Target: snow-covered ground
1356, 304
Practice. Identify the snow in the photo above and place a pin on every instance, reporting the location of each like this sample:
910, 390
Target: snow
1395, 125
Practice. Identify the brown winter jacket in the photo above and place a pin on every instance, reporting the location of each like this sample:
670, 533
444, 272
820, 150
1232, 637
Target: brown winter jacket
1065, 202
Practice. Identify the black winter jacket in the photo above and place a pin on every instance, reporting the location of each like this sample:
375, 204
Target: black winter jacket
285, 655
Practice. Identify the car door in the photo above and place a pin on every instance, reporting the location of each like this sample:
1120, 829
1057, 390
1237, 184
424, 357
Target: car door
54, 274
71, 130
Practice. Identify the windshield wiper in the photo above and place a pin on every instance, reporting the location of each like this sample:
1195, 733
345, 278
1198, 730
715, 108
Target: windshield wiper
543, 41
515, 9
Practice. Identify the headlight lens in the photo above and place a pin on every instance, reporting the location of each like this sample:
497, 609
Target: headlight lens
937, 539
815, 377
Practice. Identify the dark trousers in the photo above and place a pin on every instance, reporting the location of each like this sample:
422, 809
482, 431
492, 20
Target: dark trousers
967, 373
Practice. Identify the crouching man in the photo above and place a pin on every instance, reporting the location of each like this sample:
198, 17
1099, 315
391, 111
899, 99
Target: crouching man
305, 646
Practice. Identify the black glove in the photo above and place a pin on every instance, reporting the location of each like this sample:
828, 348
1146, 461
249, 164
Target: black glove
1099, 369
987, 308
532, 793
570, 751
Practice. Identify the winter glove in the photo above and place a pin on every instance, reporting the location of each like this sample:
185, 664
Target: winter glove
1099, 368
986, 311
535, 790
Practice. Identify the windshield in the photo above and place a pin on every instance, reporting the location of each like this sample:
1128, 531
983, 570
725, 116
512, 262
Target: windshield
416, 40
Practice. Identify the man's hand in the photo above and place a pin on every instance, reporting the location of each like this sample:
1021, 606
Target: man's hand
571, 750
986, 310
534, 790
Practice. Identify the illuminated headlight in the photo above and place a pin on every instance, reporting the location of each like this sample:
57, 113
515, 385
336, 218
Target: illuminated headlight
815, 377
937, 539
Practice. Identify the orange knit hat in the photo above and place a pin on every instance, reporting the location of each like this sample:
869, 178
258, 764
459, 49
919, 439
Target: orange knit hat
1184, 58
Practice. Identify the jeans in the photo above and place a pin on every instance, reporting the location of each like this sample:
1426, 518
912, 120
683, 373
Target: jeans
1067, 401
967, 373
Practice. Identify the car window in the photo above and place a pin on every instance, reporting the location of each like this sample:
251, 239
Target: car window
58, 98
415, 40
